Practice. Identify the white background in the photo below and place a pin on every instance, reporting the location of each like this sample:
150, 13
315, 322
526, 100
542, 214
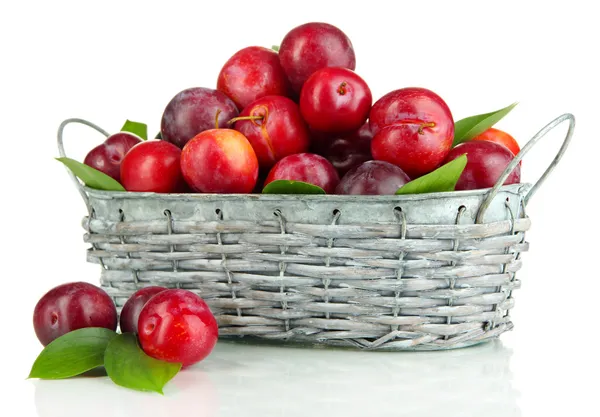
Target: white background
111, 60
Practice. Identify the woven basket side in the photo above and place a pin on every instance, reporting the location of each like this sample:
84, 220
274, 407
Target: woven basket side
379, 285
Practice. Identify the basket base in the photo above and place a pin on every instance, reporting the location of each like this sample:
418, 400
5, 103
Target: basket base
346, 345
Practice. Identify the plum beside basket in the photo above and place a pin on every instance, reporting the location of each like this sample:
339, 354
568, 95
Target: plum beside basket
412, 272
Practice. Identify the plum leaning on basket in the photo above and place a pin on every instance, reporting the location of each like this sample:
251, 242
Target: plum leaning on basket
410, 272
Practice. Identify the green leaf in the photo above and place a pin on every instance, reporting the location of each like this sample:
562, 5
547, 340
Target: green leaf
72, 354
442, 179
470, 127
139, 129
91, 176
128, 366
291, 187
275, 48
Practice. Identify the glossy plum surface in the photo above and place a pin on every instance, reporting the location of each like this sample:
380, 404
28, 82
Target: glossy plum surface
279, 132
312, 46
220, 161
194, 110
335, 100
485, 163
373, 178
128, 319
252, 73
306, 167
107, 157
177, 326
72, 306
413, 128
152, 166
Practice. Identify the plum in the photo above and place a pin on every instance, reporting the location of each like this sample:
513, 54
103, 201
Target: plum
306, 167
152, 166
275, 129
193, 111
312, 46
252, 73
373, 178
220, 161
107, 157
72, 306
344, 151
413, 128
500, 137
130, 313
335, 100
177, 326
486, 161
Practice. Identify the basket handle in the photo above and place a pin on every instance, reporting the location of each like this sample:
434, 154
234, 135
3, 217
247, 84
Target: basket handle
492, 193
61, 152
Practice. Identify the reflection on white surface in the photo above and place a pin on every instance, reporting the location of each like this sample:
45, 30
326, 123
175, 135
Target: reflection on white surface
258, 380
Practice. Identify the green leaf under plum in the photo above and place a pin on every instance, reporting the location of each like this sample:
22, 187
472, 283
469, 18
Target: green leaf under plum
470, 127
91, 177
291, 187
441, 180
72, 354
128, 366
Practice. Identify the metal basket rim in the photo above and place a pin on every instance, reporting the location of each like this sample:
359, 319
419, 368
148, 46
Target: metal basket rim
516, 189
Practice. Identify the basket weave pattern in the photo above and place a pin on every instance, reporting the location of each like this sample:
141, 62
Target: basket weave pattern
372, 281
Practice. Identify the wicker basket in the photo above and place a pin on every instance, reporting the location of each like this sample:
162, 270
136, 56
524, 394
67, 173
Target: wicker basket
415, 272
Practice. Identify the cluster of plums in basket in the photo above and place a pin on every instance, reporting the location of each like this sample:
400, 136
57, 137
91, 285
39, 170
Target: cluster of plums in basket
172, 325
300, 113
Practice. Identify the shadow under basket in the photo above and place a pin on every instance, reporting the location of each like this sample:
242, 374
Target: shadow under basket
413, 272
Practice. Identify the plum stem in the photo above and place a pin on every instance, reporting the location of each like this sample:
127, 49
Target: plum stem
342, 88
217, 118
237, 119
424, 125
